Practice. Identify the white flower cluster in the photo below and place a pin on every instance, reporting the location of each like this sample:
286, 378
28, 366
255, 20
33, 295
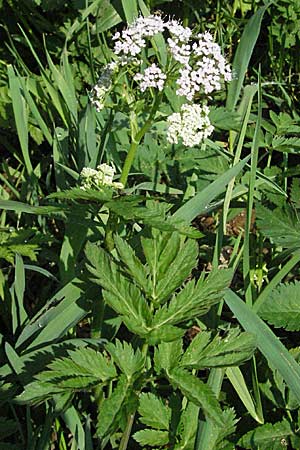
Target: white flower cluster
132, 40
195, 63
191, 124
103, 176
104, 84
206, 70
152, 77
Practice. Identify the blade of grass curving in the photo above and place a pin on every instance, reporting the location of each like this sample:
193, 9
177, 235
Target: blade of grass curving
243, 55
200, 203
21, 116
269, 345
237, 380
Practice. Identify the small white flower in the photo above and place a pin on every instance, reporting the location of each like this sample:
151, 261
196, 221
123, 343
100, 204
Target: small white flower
152, 77
103, 176
191, 125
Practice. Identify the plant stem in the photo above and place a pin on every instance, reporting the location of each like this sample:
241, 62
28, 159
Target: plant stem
127, 431
136, 141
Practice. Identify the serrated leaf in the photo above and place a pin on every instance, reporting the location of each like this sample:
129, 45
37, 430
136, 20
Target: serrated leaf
111, 407
148, 403
230, 350
282, 307
121, 295
152, 437
178, 271
197, 392
129, 361
193, 300
133, 265
187, 428
267, 437
281, 225
167, 355
286, 144
83, 369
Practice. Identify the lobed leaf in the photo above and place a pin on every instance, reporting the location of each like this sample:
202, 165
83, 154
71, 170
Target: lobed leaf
108, 416
152, 437
197, 392
230, 350
148, 403
129, 361
282, 307
194, 300
281, 225
268, 436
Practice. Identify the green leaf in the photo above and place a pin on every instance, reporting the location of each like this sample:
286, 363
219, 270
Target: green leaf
270, 346
197, 392
83, 369
165, 333
133, 265
230, 350
201, 202
282, 307
129, 361
152, 437
286, 144
281, 225
178, 271
148, 403
167, 355
268, 436
194, 299
187, 428
108, 417
121, 295
243, 55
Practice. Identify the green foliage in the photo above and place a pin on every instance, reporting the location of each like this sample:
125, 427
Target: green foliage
281, 225
148, 403
269, 436
230, 350
282, 308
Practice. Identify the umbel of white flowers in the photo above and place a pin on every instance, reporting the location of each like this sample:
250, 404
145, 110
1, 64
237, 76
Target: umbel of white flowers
200, 69
100, 178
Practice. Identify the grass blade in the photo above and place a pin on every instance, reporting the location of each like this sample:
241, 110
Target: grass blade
237, 380
200, 203
243, 55
270, 346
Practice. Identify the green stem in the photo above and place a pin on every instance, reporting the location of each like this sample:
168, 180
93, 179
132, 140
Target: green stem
136, 141
127, 431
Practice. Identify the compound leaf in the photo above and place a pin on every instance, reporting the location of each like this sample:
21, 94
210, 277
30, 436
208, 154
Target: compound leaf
267, 437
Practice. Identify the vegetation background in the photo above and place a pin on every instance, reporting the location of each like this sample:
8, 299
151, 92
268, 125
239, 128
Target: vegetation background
164, 315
